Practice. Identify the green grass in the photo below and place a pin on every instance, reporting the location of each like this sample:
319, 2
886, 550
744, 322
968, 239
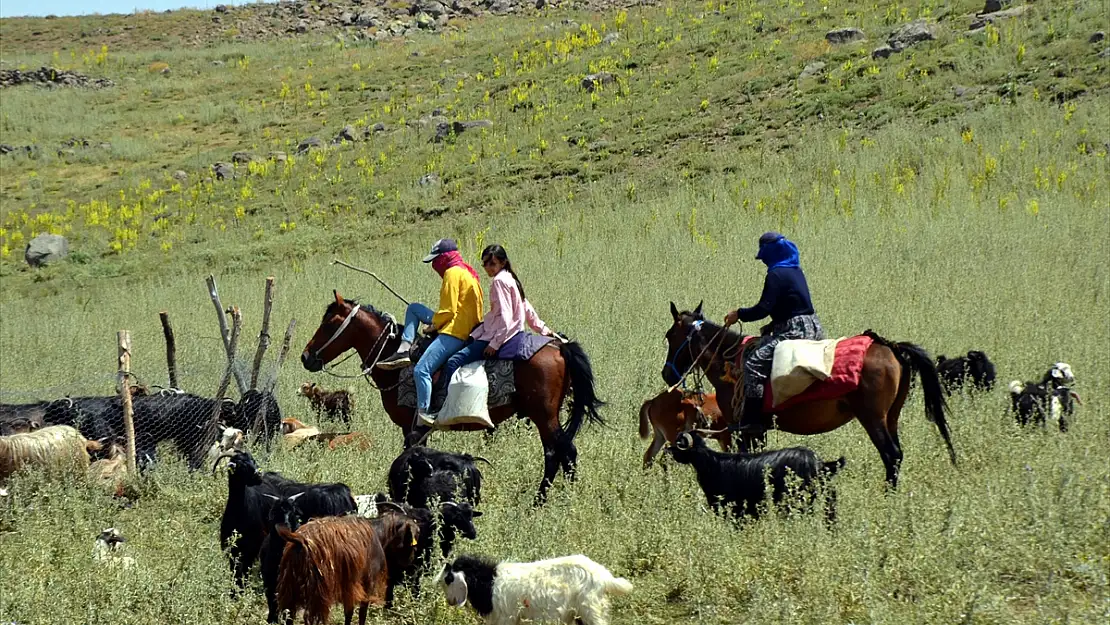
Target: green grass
953, 223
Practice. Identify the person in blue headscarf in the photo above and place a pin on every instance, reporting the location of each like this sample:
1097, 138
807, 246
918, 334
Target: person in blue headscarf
787, 302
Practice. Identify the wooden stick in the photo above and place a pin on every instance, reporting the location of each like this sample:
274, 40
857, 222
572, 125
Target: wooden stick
264, 335
123, 338
233, 345
240, 381
285, 345
372, 275
171, 348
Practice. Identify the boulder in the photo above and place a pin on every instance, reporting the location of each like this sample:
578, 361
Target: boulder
592, 81
45, 249
844, 35
242, 158
813, 69
444, 129
309, 144
982, 20
912, 33
428, 180
223, 171
180, 175
1097, 37
882, 52
348, 134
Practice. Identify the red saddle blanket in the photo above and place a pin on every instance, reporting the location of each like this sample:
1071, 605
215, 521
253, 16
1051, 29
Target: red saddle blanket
844, 378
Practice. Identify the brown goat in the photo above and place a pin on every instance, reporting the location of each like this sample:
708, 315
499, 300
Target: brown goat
340, 560
336, 405
671, 413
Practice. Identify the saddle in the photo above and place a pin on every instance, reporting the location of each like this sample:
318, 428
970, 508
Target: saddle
803, 371
500, 372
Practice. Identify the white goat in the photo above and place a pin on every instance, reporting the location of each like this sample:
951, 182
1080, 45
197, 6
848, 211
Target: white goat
107, 548
559, 589
230, 438
58, 447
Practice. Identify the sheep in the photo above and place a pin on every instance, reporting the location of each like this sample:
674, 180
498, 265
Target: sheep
341, 560
405, 486
107, 548
955, 372
1037, 403
564, 590
670, 413
230, 438
736, 481
294, 432
337, 405
55, 448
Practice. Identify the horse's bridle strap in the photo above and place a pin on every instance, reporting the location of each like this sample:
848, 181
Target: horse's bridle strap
342, 327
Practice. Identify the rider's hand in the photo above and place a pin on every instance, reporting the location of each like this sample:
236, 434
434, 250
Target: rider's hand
489, 352
732, 318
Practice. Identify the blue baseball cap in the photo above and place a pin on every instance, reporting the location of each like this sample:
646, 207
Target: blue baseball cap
441, 246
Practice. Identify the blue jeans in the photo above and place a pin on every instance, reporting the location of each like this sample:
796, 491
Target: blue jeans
472, 352
415, 314
442, 348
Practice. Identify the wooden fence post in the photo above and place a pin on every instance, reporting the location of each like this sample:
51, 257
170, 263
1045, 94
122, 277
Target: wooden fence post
233, 345
240, 381
264, 334
286, 343
123, 338
171, 348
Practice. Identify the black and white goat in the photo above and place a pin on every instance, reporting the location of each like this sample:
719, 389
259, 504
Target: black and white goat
737, 481
571, 589
1051, 398
956, 372
419, 474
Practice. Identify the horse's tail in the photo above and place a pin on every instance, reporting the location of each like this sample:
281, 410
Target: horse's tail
916, 360
645, 420
585, 403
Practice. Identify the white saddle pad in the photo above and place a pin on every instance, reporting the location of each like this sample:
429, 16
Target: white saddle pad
799, 363
467, 398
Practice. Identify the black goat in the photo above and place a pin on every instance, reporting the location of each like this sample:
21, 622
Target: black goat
453, 520
736, 481
956, 372
246, 513
317, 500
408, 484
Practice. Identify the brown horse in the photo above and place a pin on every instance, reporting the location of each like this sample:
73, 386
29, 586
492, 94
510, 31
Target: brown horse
542, 383
877, 401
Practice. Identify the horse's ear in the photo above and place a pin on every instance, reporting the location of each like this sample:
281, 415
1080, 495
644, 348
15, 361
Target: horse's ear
674, 311
338, 297
697, 311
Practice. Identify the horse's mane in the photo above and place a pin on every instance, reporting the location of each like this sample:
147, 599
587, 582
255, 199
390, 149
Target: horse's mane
731, 339
354, 302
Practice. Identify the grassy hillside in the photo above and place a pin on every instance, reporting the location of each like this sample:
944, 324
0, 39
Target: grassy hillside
954, 195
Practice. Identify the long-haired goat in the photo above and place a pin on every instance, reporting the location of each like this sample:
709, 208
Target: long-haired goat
563, 590
453, 520
737, 480
341, 560
54, 448
110, 472
336, 405
671, 413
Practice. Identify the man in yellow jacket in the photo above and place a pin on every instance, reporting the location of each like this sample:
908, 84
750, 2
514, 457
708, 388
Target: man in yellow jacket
460, 310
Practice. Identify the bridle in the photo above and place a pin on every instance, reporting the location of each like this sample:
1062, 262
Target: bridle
695, 330
389, 332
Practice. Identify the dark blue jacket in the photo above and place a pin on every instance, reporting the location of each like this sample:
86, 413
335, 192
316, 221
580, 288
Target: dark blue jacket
785, 295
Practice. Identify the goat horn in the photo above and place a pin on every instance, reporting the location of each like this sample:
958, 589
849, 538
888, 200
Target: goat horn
483, 460
448, 504
386, 505
226, 454
294, 497
274, 497
705, 432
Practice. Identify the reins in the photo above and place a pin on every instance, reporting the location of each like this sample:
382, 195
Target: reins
694, 362
379, 347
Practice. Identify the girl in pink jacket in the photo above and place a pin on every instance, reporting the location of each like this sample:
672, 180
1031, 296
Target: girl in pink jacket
509, 312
